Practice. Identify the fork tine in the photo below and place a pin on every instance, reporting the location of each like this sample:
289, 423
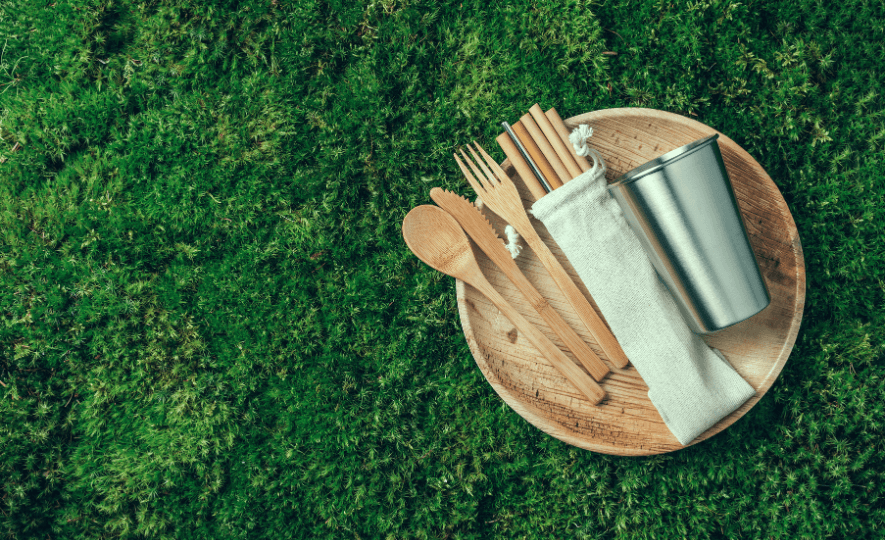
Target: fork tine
486, 182
479, 189
499, 172
489, 175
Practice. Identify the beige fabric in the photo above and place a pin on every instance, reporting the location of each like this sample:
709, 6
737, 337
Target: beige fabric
691, 386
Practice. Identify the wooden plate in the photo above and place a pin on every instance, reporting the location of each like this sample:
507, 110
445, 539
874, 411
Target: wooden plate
626, 423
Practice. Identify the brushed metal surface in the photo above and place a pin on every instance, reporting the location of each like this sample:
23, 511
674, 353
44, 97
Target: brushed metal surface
683, 209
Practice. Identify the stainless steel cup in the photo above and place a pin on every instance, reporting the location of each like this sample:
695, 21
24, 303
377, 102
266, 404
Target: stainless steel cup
683, 209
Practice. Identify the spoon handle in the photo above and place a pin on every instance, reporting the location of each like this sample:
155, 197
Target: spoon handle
581, 380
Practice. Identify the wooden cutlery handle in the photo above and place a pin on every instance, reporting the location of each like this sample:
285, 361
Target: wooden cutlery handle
576, 298
596, 367
583, 382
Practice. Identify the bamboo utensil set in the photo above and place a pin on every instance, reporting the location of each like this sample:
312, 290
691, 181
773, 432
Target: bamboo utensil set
435, 237
539, 150
550, 160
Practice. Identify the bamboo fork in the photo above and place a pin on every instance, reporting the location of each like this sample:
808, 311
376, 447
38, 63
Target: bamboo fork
500, 194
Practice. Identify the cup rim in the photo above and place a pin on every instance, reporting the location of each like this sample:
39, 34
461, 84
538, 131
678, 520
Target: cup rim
660, 162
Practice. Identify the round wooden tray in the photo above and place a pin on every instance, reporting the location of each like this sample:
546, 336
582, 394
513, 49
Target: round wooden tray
626, 423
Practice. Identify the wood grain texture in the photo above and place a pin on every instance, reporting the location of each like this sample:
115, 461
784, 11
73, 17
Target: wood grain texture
626, 423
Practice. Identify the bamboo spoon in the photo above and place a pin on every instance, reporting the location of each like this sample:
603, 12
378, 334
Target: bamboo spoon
499, 192
478, 228
436, 238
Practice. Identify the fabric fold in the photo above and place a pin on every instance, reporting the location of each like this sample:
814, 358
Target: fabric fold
691, 385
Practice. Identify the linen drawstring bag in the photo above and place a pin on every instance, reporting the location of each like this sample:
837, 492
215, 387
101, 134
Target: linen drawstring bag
691, 385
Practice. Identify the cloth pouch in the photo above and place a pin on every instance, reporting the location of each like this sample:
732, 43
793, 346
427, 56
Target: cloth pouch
691, 385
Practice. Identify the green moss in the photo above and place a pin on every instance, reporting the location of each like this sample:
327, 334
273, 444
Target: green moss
210, 327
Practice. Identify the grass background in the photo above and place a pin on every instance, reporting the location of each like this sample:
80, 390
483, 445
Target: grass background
211, 328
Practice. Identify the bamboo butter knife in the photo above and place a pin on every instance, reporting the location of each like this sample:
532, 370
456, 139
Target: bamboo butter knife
481, 231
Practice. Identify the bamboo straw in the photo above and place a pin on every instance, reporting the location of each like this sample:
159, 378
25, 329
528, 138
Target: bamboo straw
544, 145
529, 143
565, 155
563, 133
521, 166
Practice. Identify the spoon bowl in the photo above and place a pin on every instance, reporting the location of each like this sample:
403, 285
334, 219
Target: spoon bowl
438, 240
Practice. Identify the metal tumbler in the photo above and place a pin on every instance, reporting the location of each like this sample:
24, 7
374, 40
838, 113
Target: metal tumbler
684, 212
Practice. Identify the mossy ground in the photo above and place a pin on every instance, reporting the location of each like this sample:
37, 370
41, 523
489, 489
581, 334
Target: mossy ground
211, 328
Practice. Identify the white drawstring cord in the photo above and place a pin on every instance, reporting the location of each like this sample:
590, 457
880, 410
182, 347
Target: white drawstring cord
513, 237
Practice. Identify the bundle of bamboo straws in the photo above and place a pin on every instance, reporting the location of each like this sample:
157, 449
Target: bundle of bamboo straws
539, 149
